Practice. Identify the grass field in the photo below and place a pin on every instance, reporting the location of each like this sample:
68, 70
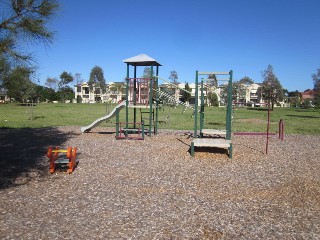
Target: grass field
297, 121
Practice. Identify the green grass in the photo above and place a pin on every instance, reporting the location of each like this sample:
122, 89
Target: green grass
297, 121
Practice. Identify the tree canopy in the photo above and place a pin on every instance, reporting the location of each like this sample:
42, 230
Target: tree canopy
97, 79
213, 99
186, 94
271, 88
66, 79
27, 20
174, 77
212, 81
52, 83
65, 91
18, 84
246, 81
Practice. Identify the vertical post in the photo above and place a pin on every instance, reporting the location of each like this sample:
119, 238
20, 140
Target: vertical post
196, 107
135, 96
117, 123
157, 101
202, 110
142, 129
150, 100
229, 108
268, 126
127, 96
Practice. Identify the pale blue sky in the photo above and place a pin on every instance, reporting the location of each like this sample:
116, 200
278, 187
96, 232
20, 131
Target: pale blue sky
187, 35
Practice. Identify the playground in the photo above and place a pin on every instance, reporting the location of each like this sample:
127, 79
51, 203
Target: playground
136, 180
156, 190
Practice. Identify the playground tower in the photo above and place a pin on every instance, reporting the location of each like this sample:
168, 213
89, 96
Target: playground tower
141, 94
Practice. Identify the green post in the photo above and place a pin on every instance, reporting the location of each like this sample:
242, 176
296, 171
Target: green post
230, 151
229, 108
201, 110
127, 96
142, 129
157, 101
196, 107
150, 100
135, 96
192, 149
117, 123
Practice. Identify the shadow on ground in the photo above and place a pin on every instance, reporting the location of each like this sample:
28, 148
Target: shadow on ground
302, 116
22, 154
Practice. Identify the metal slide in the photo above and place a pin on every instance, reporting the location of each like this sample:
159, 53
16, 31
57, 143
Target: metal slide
100, 120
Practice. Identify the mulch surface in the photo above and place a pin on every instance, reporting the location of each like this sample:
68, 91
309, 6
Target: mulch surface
154, 189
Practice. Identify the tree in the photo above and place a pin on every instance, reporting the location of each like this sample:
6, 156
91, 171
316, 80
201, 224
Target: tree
66, 79
174, 76
213, 99
77, 77
246, 81
4, 69
316, 82
271, 88
45, 94
146, 72
212, 81
52, 83
97, 79
185, 94
19, 85
65, 91
27, 20
238, 91
294, 98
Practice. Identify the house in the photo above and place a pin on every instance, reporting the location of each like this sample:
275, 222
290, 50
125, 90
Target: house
4, 96
86, 93
307, 95
114, 92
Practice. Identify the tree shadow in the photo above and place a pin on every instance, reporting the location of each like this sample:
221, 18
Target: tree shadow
301, 116
258, 109
22, 154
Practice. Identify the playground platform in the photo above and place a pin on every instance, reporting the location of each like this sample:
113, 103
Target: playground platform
216, 132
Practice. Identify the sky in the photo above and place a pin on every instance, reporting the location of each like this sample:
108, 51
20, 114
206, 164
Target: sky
186, 35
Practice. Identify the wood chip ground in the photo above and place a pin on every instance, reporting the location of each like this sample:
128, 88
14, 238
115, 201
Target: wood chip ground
153, 189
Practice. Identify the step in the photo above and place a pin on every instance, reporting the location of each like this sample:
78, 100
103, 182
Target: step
211, 142
62, 161
214, 132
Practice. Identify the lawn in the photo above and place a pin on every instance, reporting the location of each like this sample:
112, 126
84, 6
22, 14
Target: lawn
297, 121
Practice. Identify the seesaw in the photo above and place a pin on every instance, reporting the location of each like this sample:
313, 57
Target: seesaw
68, 158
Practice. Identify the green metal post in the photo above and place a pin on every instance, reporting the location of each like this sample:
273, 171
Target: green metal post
157, 102
196, 107
201, 110
150, 100
229, 108
135, 96
117, 123
230, 151
142, 129
127, 96
192, 149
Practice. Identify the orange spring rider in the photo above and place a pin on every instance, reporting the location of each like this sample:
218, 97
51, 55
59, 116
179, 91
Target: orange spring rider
53, 155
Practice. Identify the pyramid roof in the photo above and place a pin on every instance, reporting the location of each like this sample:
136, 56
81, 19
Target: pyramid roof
142, 60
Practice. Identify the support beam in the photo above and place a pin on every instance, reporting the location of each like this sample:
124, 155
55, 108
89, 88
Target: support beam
213, 73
